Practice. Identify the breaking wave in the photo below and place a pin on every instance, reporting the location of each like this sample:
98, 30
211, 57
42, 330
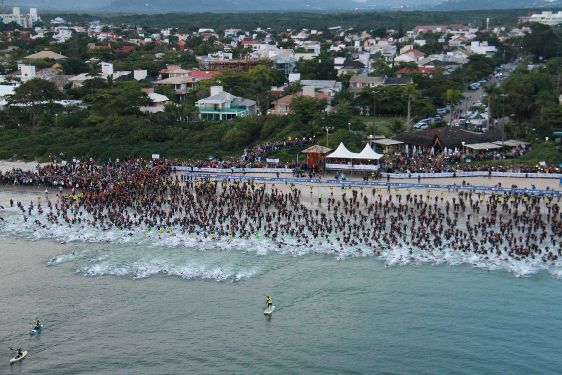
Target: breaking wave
139, 253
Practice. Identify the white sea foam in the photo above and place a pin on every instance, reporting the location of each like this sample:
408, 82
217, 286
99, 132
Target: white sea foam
157, 242
190, 271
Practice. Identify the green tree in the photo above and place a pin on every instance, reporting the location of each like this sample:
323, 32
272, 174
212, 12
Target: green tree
76, 47
34, 97
542, 42
321, 67
410, 92
492, 91
121, 99
167, 91
307, 109
452, 96
396, 126
75, 66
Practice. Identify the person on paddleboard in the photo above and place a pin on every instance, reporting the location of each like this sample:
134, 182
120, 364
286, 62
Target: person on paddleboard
269, 302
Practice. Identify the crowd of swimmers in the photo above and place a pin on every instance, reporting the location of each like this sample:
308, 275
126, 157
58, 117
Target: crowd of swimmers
140, 195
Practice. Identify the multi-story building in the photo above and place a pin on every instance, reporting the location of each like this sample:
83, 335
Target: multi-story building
222, 105
24, 20
546, 18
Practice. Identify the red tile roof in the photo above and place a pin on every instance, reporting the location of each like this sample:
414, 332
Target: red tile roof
203, 74
420, 70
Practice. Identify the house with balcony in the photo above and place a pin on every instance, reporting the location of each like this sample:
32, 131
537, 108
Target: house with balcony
362, 81
180, 85
222, 105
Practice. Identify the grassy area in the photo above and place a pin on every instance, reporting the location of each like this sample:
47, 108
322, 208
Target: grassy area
382, 126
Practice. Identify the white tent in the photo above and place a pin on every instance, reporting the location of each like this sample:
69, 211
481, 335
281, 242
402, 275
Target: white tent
368, 154
342, 153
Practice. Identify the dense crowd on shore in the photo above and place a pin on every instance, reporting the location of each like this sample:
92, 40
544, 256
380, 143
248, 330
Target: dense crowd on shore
91, 175
138, 195
457, 161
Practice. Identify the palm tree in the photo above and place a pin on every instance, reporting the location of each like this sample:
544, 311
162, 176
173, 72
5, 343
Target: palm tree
452, 96
411, 92
492, 91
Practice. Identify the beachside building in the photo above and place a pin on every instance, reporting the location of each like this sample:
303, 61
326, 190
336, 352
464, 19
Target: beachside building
222, 105
546, 18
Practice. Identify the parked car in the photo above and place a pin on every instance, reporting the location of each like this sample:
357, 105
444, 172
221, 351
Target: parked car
474, 86
421, 125
443, 111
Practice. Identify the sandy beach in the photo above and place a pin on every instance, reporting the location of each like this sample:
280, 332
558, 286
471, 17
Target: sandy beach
25, 194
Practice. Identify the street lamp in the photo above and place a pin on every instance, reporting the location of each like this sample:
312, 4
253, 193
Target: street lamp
370, 137
327, 132
349, 126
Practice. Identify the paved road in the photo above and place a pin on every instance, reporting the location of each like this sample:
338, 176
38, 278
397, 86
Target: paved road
473, 96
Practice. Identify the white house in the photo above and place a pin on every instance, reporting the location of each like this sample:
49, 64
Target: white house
410, 56
482, 48
5, 92
157, 103
546, 18
27, 72
222, 105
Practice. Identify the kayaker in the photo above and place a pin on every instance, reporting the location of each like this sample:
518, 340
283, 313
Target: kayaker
37, 324
20, 352
269, 302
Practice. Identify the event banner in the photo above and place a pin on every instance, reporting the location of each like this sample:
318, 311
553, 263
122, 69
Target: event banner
383, 174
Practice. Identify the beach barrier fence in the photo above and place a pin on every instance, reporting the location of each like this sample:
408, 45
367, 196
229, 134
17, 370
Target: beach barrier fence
384, 175
349, 183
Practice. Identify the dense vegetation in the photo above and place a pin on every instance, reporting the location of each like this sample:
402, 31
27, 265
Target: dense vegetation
280, 21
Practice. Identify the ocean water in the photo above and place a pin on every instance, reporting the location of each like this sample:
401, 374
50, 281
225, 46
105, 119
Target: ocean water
119, 302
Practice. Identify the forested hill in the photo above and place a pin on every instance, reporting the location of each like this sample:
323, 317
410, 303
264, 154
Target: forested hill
280, 21
247, 5
496, 4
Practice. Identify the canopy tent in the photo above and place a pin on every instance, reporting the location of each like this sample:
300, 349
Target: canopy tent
511, 143
342, 153
482, 146
368, 154
387, 142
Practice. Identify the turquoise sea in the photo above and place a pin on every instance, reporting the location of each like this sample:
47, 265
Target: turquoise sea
130, 308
